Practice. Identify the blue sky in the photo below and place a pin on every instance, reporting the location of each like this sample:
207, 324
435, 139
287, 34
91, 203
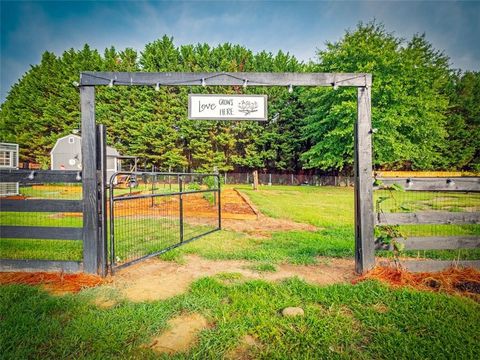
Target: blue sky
299, 27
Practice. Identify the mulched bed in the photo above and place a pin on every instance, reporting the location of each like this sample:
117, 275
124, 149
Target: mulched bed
459, 281
54, 282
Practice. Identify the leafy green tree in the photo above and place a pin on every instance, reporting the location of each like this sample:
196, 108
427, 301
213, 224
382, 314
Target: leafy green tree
462, 147
408, 106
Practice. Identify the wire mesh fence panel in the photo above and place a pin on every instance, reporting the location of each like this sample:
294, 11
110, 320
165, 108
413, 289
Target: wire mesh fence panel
144, 225
452, 219
201, 211
151, 213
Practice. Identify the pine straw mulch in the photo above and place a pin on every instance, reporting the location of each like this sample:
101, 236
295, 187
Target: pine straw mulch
454, 280
56, 283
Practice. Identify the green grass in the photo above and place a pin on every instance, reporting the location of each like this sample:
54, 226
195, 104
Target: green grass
322, 206
41, 249
262, 267
39, 219
296, 247
57, 191
364, 321
414, 201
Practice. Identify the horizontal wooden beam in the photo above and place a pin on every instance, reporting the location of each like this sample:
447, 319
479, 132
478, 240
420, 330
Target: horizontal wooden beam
436, 243
432, 265
40, 265
40, 176
41, 205
90, 78
428, 218
41, 232
435, 184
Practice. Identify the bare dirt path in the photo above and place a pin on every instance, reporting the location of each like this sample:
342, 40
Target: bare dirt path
156, 279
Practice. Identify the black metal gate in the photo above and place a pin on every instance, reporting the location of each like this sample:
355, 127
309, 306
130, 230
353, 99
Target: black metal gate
151, 213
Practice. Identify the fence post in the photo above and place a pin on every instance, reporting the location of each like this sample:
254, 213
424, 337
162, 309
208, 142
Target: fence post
217, 181
292, 178
364, 225
219, 203
255, 179
102, 170
153, 182
180, 187
270, 179
89, 180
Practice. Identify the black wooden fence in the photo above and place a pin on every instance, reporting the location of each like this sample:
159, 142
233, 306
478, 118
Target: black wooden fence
441, 209
23, 209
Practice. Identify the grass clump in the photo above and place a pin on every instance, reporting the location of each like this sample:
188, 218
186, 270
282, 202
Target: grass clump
262, 267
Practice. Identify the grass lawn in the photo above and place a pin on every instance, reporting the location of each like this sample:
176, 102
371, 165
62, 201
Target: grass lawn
364, 321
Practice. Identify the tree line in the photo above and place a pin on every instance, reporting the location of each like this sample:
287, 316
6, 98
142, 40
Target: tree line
425, 114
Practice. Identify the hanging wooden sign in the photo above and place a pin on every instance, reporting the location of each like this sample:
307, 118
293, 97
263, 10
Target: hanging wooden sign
227, 107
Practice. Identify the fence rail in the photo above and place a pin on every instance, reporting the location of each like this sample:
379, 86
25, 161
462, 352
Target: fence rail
435, 243
428, 218
435, 184
454, 201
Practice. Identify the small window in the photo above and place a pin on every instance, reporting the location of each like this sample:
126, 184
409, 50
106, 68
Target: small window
71, 140
5, 160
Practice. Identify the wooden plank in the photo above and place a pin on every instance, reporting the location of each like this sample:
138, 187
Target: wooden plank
428, 218
92, 78
40, 176
435, 184
41, 205
437, 243
432, 265
364, 219
41, 232
40, 265
102, 171
90, 181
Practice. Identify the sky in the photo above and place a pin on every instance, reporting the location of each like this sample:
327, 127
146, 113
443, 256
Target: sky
28, 28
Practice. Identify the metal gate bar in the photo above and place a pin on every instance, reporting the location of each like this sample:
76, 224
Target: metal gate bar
160, 217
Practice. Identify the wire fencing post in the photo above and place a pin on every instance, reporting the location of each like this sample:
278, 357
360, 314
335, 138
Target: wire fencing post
180, 186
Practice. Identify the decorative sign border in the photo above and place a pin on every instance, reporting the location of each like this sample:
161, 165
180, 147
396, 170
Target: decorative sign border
247, 110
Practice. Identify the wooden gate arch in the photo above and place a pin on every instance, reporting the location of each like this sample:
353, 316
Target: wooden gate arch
94, 239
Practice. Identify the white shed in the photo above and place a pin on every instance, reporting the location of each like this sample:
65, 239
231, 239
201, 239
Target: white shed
67, 155
8, 160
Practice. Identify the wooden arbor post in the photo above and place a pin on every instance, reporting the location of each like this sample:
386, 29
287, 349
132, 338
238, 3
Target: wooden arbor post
364, 239
93, 253
364, 224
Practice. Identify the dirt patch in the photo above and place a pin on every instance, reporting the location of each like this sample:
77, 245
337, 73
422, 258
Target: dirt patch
194, 206
104, 303
181, 336
380, 308
155, 279
244, 350
460, 281
264, 226
56, 283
